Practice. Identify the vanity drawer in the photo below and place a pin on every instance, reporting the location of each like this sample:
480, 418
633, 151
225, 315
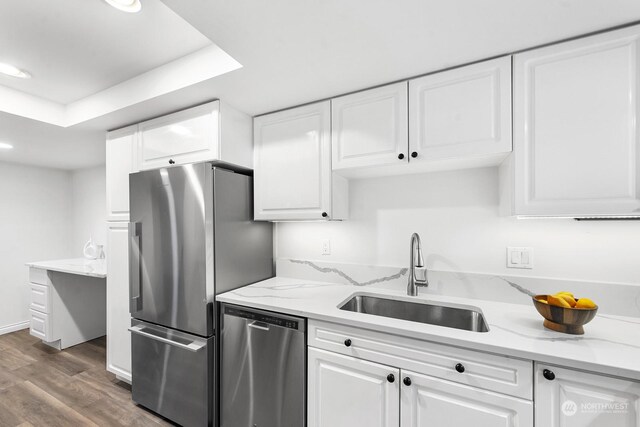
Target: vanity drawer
39, 295
40, 326
501, 374
38, 275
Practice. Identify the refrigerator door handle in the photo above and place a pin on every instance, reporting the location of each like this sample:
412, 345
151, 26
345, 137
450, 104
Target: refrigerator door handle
135, 302
193, 346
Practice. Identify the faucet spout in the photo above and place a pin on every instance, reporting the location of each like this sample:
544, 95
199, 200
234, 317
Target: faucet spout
416, 261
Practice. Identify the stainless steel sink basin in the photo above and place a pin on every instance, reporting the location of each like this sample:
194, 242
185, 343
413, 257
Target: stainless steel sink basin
468, 319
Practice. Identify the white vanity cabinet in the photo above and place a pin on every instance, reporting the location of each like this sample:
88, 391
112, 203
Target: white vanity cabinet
292, 166
385, 380
576, 140
118, 317
370, 128
571, 398
345, 392
121, 153
212, 131
463, 113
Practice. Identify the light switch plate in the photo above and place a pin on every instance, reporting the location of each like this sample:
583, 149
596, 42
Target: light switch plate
519, 257
326, 247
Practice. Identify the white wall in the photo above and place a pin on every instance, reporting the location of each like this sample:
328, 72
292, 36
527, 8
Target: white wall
89, 208
35, 224
456, 215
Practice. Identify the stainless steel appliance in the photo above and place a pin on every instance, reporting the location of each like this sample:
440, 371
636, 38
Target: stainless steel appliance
262, 369
191, 237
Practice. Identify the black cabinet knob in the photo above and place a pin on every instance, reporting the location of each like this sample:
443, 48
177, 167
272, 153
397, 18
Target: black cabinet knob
460, 367
347, 342
172, 162
407, 381
414, 154
324, 214
401, 156
391, 378
548, 374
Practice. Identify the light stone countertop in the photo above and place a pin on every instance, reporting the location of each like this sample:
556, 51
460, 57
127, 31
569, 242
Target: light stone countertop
610, 345
81, 266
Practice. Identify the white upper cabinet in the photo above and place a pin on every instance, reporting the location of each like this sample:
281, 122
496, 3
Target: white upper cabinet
428, 401
347, 392
461, 113
370, 128
575, 133
569, 398
120, 162
212, 131
293, 178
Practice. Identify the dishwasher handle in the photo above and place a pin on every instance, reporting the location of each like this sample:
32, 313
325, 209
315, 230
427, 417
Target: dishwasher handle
265, 320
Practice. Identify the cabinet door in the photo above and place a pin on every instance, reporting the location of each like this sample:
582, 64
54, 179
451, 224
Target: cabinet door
187, 136
292, 177
118, 318
464, 112
120, 162
370, 128
429, 401
576, 139
579, 399
347, 392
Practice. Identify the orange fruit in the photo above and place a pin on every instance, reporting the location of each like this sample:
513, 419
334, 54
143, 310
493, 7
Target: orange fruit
558, 301
585, 303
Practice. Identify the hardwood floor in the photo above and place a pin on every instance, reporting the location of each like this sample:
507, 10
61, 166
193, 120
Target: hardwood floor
41, 386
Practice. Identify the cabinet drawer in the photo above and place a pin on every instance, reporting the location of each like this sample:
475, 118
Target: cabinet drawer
38, 275
488, 371
39, 326
39, 296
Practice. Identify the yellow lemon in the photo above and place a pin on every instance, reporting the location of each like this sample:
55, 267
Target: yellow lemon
557, 301
585, 303
568, 298
565, 293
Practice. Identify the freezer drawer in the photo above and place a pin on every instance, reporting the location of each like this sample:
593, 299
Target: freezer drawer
262, 371
173, 373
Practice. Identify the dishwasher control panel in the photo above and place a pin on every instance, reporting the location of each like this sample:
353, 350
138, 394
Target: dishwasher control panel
280, 321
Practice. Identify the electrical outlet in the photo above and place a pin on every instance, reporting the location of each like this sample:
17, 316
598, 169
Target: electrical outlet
518, 257
326, 247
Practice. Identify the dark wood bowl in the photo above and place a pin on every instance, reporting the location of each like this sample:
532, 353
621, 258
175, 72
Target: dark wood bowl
561, 319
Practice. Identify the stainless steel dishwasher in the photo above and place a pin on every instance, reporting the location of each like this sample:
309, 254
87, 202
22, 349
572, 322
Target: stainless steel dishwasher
262, 369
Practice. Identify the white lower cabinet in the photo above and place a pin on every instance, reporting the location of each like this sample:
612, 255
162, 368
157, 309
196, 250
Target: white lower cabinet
349, 392
118, 317
427, 401
569, 398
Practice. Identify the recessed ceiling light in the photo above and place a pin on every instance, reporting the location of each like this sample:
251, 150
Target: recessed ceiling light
5, 146
13, 71
130, 6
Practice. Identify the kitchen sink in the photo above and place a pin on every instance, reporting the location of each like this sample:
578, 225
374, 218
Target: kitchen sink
468, 319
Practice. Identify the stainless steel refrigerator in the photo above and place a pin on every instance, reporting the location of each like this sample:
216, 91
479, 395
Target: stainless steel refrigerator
192, 236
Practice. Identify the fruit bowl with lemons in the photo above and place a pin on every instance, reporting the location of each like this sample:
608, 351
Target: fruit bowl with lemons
563, 312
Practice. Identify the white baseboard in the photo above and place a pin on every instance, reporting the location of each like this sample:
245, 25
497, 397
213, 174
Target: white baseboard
14, 327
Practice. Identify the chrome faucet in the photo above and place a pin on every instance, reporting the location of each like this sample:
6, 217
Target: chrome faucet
416, 261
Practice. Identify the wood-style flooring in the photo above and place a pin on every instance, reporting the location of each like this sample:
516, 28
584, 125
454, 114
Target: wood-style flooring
41, 386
